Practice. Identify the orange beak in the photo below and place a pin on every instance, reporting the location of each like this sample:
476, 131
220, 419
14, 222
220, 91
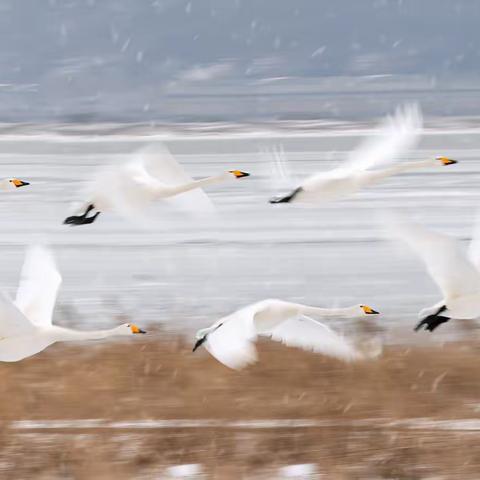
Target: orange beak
239, 173
446, 161
369, 310
19, 183
135, 329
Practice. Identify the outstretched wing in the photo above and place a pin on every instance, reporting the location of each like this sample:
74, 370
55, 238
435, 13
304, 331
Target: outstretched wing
393, 137
39, 283
233, 342
446, 262
12, 321
306, 333
279, 172
161, 164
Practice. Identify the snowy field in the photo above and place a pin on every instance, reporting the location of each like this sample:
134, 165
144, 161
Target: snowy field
183, 272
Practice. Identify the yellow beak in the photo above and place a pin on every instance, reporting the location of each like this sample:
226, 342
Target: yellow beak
19, 183
239, 173
446, 161
135, 329
369, 310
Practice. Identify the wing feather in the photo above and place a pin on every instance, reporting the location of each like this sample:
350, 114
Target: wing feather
306, 333
233, 342
474, 247
446, 262
12, 321
162, 165
393, 137
39, 283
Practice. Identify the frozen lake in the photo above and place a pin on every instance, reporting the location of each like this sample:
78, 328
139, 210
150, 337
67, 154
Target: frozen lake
185, 272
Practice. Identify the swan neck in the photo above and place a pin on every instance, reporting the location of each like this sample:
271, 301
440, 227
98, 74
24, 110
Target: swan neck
327, 312
68, 335
203, 182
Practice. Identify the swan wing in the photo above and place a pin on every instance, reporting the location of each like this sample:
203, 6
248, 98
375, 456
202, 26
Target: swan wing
12, 321
393, 137
474, 247
162, 166
279, 171
446, 262
39, 283
232, 343
309, 334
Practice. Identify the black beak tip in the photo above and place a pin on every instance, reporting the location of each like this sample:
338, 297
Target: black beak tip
198, 343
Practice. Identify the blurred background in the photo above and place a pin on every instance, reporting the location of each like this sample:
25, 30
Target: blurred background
224, 83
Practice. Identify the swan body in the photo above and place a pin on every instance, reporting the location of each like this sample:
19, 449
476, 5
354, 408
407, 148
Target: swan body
394, 137
10, 184
154, 175
456, 274
26, 324
231, 339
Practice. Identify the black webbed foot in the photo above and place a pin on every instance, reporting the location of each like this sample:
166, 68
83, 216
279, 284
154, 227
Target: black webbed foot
82, 219
431, 322
90, 219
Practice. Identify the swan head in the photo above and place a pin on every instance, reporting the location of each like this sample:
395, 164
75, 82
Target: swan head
445, 160
366, 310
14, 183
238, 173
129, 329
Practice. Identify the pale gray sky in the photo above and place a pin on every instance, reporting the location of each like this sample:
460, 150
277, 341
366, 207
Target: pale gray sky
222, 59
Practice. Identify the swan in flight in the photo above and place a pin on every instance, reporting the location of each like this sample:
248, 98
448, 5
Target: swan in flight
8, 184
456, 273
393, 138
26, 324
131, 188
231, 339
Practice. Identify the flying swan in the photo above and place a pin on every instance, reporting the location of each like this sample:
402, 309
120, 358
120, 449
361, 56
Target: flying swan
456, 274
130, 188
26, 324
231, 339
393, 138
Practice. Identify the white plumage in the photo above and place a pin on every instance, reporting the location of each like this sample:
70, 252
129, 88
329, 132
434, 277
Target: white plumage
154, 174
231, 340
394, 137
455, 273
26, 324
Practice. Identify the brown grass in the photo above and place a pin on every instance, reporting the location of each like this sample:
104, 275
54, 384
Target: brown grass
163, 379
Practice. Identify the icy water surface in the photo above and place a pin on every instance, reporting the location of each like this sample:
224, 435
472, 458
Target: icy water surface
184, 272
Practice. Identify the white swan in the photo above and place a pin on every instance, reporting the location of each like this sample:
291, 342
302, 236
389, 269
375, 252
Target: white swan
130, 188
231, 339
8, 184
26, 324
456, 274
393, 137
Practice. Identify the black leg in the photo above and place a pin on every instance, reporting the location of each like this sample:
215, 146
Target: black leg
288, 198
440, 310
